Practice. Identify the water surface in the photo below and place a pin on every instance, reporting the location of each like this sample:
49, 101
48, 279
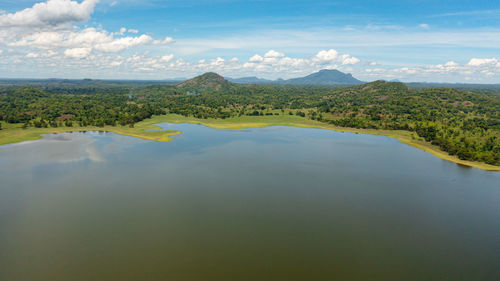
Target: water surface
278, 203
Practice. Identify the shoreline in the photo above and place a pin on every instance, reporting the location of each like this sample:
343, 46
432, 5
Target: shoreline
17, 134
14, 133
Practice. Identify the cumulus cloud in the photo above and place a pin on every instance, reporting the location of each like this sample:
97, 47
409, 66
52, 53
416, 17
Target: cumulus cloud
112, 45
347, 59
89, 38
327, 55
167, 58
451, 64
217, 62
256, 58
248, 65
274, 54
50, 13
477, 69
479, 62
77, 53
275, 61
48, 26
332, 56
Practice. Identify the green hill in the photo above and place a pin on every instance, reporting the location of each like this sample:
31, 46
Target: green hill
209, 81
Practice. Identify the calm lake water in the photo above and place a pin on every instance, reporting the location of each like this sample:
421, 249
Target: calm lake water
277, 203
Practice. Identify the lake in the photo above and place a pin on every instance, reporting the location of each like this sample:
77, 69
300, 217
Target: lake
278, 203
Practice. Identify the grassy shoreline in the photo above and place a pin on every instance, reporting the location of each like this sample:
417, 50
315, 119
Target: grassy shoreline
13, 133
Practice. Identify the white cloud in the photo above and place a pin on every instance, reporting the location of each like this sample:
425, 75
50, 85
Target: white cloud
480, 70
77, 53
48, 26
274, 54
424, 25
347, 59
32, 55
217, 62
274, 61
98, 40
135, 31
451, 64
327, 55
167, 58
120, 44
50, 13
248, 65
479, 62
256, 58
292, 62
165, 41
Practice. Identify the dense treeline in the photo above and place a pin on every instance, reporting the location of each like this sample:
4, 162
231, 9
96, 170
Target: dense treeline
463, 123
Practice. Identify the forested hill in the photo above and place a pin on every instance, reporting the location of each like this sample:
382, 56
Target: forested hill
208, 81
463, 123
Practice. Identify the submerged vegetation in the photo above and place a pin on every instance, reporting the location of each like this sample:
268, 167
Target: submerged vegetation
464, 124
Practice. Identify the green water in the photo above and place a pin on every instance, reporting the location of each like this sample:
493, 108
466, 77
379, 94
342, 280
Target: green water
261, 204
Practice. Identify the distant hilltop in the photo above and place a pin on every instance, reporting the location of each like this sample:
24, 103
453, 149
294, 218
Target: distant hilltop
322, 77
211, 81
207, 81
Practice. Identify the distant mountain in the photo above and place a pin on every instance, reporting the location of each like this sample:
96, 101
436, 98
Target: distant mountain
323, 77
207, 81
461, 86
250, 80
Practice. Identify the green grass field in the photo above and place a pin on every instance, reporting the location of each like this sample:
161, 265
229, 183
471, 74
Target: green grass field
12, 133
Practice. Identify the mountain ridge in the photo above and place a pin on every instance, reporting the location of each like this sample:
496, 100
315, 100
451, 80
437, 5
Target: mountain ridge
322, 77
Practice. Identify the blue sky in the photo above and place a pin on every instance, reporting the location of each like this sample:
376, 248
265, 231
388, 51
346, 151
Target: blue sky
438, 41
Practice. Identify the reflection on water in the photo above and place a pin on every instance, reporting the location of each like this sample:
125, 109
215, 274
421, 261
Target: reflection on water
61, 148
259, 204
